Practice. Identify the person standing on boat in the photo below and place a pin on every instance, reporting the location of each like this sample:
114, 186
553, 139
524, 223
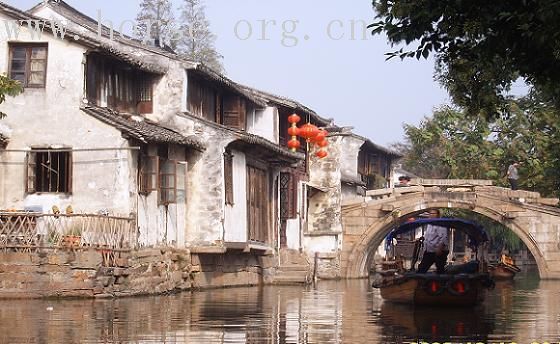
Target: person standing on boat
436, 242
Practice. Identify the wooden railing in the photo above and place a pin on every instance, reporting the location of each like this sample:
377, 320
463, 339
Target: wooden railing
27, 230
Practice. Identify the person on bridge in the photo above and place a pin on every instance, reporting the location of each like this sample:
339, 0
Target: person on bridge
436, 242
513, 174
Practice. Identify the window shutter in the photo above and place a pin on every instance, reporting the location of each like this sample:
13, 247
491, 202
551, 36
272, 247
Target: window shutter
168, 181
233, 112
30, 166
69, 179
144, 94
228, 177
148, 176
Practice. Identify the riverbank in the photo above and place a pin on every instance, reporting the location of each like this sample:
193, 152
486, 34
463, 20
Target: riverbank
98, 273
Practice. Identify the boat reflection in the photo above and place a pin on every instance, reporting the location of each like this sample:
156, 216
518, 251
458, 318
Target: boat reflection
409, 324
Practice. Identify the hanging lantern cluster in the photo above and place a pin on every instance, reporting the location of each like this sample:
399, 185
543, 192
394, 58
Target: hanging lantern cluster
310, 133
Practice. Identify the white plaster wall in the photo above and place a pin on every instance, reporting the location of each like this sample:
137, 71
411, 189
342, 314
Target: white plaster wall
236, 215
205, 224
264, 123
293, 233
169, 95
323, 244
350, 148
50, 116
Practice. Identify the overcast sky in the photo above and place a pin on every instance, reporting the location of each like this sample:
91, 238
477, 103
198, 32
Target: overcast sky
319, 64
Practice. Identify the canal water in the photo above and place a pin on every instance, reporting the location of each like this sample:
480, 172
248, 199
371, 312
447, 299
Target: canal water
523, 311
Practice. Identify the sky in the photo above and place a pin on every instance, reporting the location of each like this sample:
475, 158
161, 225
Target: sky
307, 51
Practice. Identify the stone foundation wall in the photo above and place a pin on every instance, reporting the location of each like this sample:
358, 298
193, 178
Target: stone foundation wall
96, 273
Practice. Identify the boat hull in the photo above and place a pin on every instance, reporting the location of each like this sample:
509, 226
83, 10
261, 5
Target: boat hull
437, 290
501, 272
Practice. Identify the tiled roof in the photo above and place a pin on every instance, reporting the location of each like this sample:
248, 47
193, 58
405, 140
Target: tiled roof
368, 143
142, 129
90, 41
287, 102
251, 139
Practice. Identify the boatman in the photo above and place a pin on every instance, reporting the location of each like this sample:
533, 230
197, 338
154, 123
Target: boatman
436, 242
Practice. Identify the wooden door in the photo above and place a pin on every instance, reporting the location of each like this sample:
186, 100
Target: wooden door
258, 198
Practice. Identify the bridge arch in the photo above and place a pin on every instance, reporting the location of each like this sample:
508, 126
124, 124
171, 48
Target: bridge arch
360, 247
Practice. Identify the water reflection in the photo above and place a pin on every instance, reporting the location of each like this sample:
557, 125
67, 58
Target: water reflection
525, 310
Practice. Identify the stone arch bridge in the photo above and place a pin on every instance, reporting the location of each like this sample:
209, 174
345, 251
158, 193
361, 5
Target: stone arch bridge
535, 220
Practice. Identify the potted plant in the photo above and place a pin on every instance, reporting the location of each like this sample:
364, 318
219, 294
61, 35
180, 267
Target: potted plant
72, 237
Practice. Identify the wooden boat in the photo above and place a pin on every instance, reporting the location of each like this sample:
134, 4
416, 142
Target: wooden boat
462, 285
505, 269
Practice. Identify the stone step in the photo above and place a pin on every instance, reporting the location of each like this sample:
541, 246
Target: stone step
291, 279
293, 267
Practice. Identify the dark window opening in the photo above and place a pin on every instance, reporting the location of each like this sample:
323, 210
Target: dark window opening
228, 177
49, 172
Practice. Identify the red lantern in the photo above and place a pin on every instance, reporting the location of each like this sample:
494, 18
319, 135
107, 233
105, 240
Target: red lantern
293, 131
308, 131
323, 143
320, 135
294, 144
293, 118
321, 154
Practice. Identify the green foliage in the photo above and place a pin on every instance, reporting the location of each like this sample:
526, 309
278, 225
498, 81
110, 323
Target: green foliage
480, 47
452, 145
8, 87
501, 237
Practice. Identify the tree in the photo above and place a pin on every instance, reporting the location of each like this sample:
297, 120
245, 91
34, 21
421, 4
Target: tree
448, 145
8, 87
155, 21
452, 145
480, 47
197, 41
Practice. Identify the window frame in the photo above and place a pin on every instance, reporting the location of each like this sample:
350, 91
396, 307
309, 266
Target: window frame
35, 174
28, 59
163, 189
228, 178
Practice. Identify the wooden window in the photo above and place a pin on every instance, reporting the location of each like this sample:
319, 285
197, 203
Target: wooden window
115, 85
233, 111
167, 181
288, 195
148, 174
228, 177
145, 96
48, 171
258, 199
28, 64
202, 99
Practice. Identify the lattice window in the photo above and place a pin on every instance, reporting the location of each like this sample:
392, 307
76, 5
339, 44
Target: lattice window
228, 177
288, 195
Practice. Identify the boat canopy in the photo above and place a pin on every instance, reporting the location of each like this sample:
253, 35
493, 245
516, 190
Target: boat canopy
475, 231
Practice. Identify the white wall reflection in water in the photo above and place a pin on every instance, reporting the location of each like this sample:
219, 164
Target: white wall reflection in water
524, 311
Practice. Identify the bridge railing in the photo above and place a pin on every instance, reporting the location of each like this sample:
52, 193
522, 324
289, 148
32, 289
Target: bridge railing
459, 185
